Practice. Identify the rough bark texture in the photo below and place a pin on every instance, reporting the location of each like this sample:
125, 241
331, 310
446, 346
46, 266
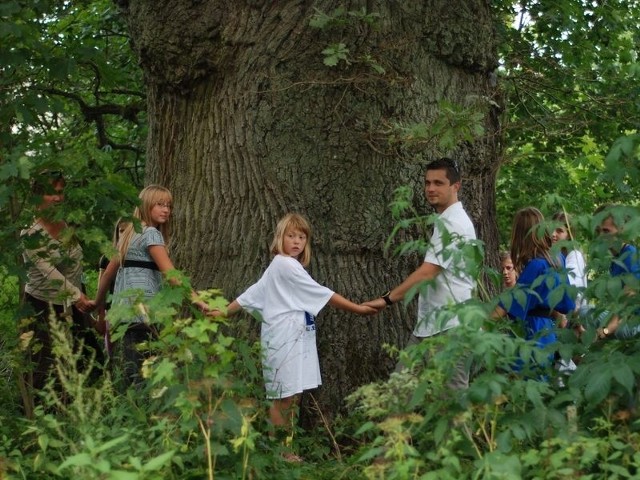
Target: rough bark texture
247, 123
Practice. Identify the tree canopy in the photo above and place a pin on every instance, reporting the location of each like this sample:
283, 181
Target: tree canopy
72, 95
570, 70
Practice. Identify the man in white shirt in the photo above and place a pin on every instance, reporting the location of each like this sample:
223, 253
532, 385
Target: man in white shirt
443, 268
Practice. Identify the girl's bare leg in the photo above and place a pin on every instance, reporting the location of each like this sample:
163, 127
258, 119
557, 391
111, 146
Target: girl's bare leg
283, 413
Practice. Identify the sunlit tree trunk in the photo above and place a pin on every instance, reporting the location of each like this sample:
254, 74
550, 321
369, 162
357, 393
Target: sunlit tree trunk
246, 123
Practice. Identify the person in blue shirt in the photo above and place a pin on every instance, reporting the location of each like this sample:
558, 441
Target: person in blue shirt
532, 301
625, 264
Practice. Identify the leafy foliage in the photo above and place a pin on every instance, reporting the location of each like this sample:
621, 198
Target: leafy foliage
71, 98
529, 422
350, 22
570, 74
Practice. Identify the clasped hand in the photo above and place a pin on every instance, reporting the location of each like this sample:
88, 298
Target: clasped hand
378, 304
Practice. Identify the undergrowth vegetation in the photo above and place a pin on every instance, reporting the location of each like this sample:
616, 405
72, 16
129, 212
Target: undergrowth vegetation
200, 412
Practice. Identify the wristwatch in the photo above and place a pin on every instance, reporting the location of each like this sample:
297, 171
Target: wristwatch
386, 298
605, 331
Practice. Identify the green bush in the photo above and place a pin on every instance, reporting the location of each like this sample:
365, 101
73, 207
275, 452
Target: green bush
534, 423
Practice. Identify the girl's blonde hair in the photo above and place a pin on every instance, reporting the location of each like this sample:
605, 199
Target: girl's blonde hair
149, 197
530, 238
292, 221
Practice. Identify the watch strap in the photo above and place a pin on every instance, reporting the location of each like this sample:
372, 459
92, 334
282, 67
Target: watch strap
386, 298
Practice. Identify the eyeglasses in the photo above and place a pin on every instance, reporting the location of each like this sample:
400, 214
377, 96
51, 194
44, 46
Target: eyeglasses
164, 205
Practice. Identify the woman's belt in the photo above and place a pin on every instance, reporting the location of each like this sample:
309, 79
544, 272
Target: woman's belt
540, 312
141, 264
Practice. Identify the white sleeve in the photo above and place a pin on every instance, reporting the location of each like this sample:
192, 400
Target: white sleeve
252, 299
434, 249
308, 294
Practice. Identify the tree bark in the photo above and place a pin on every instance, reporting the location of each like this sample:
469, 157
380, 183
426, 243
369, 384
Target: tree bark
246, 123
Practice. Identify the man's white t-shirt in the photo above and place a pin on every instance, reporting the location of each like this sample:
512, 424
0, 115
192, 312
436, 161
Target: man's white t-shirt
453, 284
287, 299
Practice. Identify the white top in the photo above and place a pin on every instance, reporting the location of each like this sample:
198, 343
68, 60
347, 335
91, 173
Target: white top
287, 299
575, 265
453, 284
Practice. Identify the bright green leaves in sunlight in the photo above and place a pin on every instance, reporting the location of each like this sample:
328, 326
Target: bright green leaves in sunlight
570, 73
622, 163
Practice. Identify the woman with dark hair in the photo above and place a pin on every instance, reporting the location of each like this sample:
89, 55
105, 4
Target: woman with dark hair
539, 274
53, 259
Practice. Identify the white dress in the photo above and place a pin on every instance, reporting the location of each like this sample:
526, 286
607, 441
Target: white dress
286, 299
575, 266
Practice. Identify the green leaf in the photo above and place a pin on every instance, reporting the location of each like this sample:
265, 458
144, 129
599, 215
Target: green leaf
624, 375
371, 453
365, 428
123, 475
158, 462
43, 441
534, 395
598, 386
112, 443
320, 19
78, 460
556, 296
499, 465
164, 371
334, 53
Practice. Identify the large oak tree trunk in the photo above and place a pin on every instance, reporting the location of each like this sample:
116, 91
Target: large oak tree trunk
247, 123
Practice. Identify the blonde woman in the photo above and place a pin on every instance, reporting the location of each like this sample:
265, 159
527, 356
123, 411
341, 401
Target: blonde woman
140, 264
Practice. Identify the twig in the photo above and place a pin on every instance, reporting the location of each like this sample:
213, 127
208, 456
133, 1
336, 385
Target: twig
326, 425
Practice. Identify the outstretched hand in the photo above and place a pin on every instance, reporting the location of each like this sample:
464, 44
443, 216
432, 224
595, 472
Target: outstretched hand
364, 309
202, 306
377, 303
85, 305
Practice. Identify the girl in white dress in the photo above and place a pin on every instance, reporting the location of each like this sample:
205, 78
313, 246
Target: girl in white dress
573, 258
287, 299
575, 265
